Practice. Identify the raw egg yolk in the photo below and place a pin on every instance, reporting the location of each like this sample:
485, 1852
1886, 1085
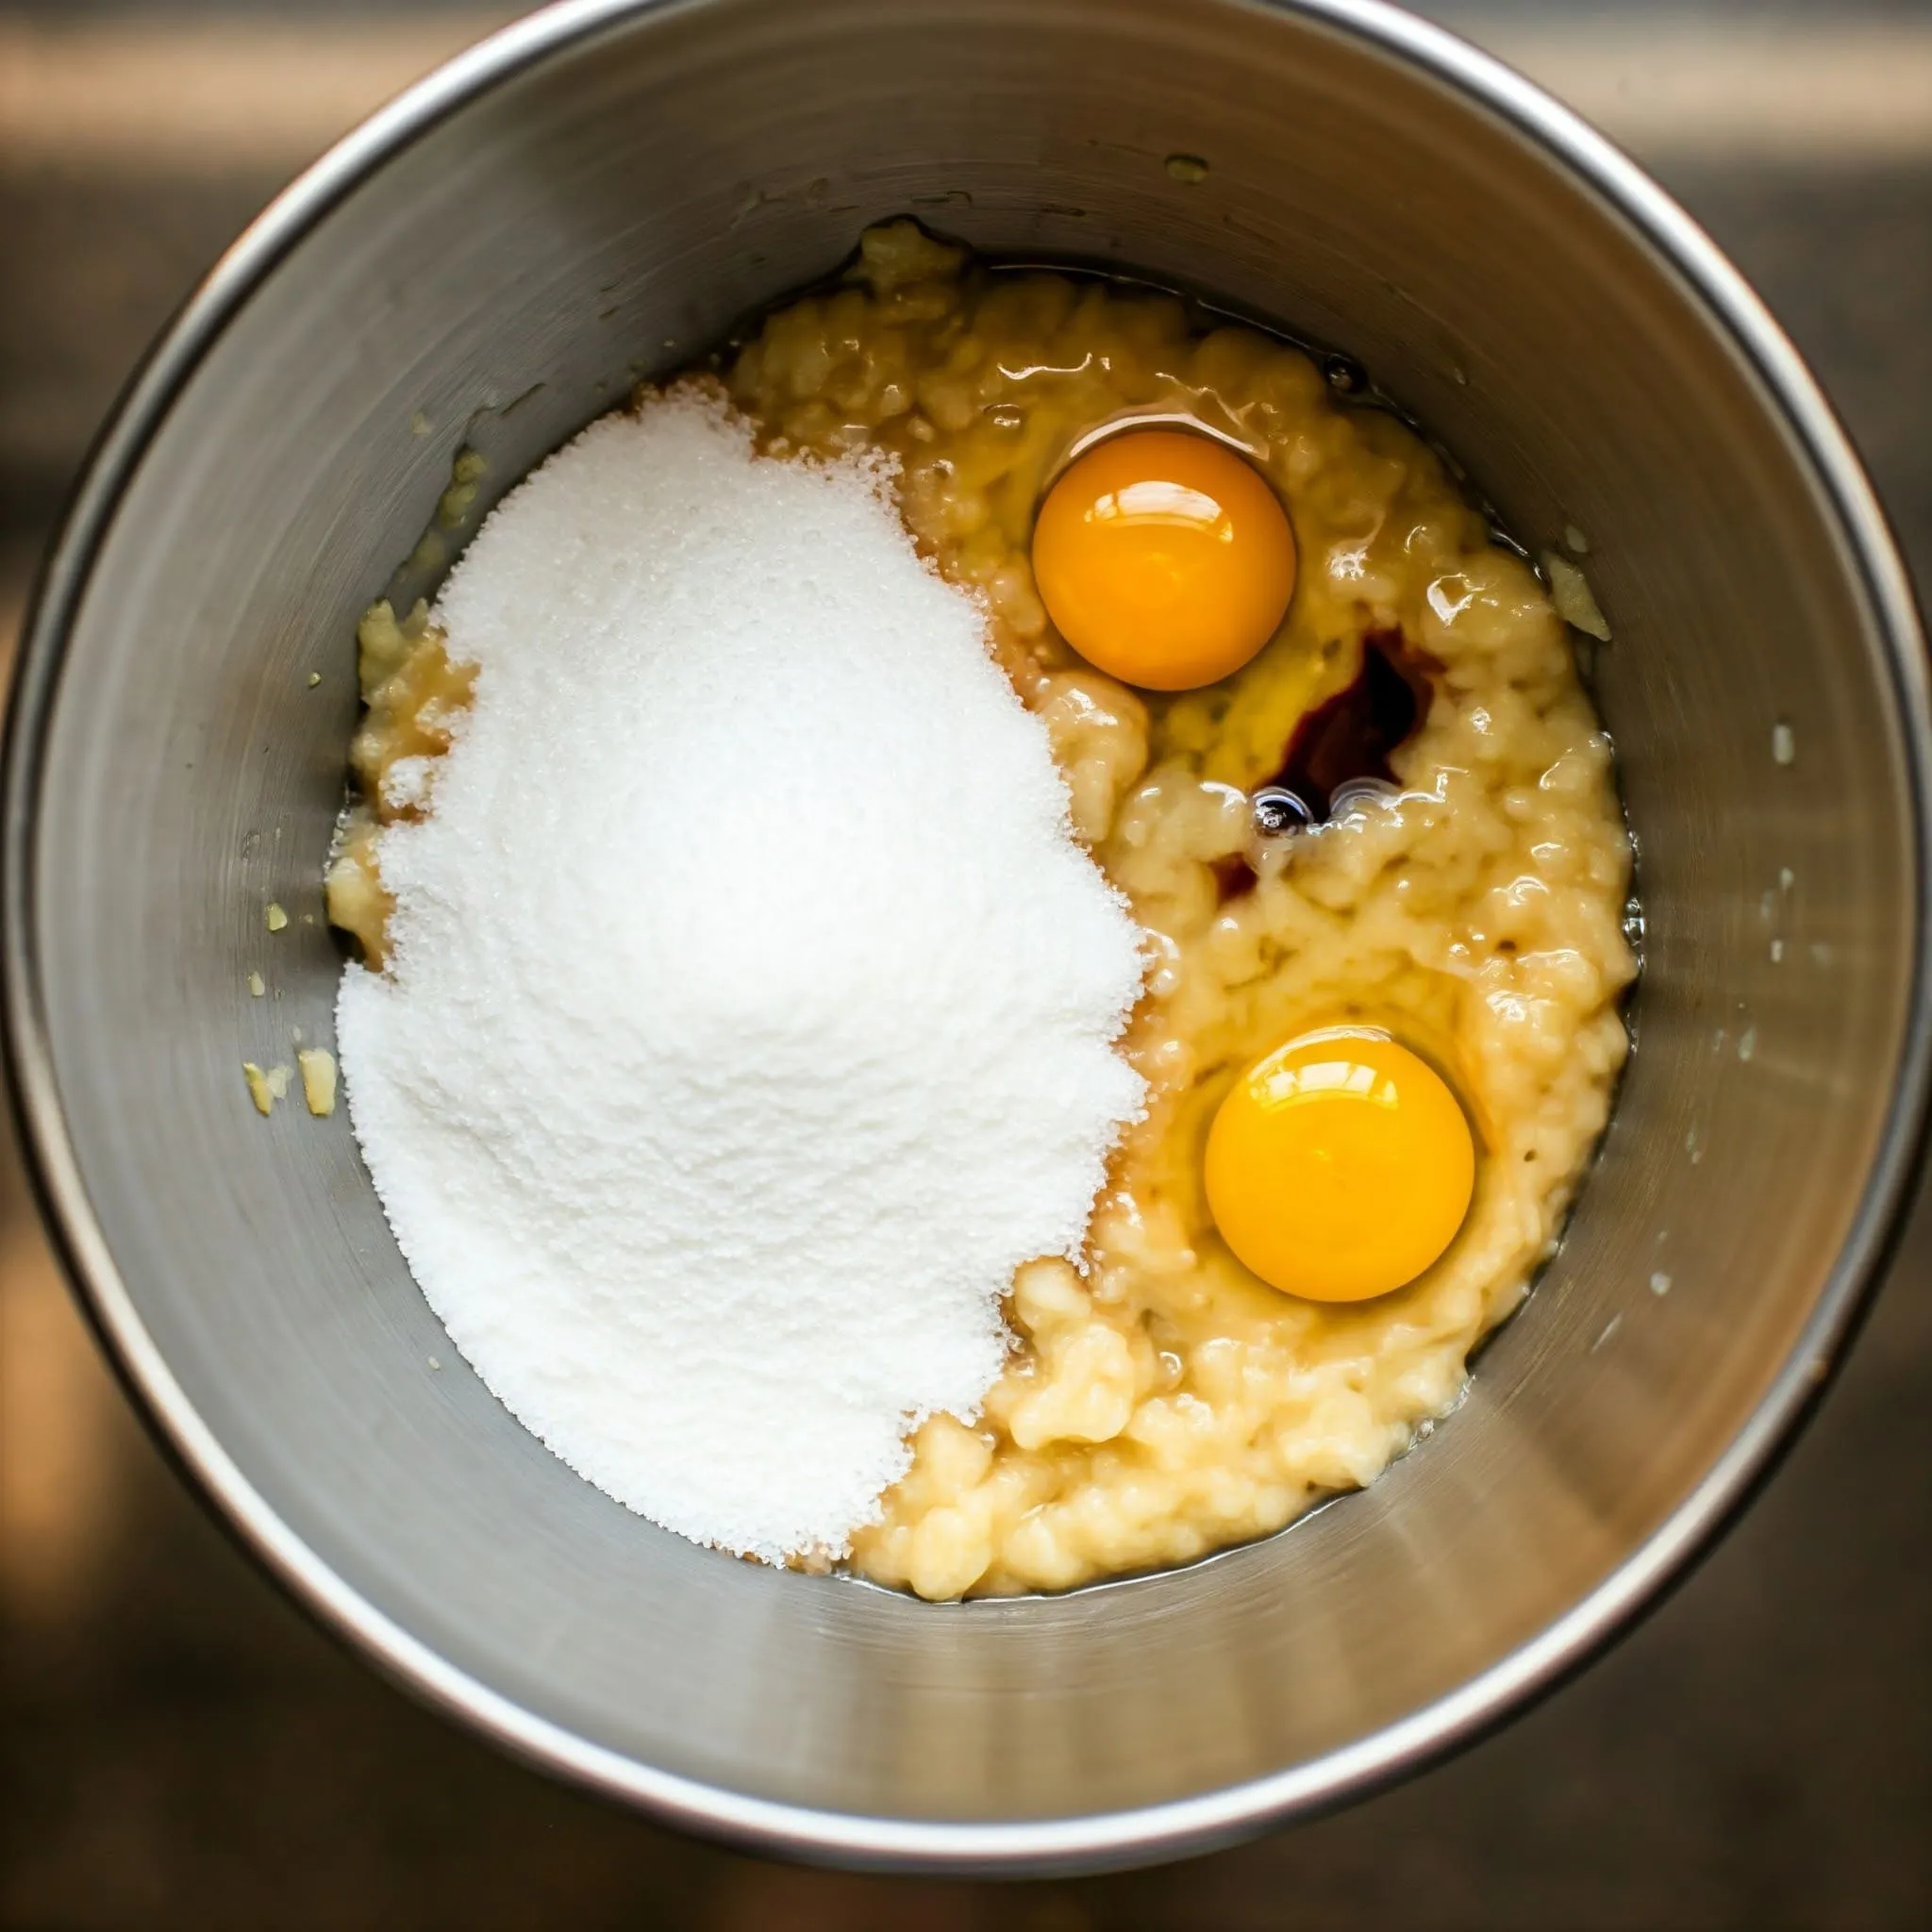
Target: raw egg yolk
1339, 1166
1164, 559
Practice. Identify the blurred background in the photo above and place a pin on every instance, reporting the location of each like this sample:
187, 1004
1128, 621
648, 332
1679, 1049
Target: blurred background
178, 1748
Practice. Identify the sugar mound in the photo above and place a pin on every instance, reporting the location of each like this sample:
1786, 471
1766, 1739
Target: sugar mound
751, 1010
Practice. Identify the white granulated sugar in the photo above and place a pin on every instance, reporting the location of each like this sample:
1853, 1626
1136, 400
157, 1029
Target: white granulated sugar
751, 1009
407, 783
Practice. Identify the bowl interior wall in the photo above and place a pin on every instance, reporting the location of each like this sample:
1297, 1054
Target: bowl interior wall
606, 215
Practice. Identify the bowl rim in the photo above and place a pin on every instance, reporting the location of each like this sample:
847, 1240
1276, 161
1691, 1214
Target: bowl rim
1087, 1842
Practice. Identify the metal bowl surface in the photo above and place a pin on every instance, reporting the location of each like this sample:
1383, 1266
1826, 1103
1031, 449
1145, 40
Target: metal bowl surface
613, 180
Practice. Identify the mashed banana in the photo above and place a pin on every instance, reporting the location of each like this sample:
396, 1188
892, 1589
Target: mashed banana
1166, 1403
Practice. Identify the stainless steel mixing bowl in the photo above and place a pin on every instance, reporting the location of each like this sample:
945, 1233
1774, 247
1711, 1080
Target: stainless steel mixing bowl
601, 190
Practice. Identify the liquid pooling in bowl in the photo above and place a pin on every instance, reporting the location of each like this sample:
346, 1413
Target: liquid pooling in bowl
1396, 816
